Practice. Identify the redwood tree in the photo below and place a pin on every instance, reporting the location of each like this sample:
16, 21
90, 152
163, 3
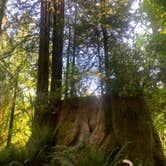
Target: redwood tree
43, 60
57, 52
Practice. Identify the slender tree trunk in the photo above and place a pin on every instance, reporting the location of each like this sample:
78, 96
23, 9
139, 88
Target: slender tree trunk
106, 98
100, 60
57, 53
73, 88
2, 11
67, 66
106, 59
43, 61
12, 112
104, 4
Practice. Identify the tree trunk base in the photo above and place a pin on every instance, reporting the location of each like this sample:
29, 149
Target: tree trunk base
84, 121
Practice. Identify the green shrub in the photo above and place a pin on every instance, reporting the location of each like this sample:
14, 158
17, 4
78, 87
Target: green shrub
11, 154
91, 157
34, 154
86, 156
39, 145
65, 156
39, 152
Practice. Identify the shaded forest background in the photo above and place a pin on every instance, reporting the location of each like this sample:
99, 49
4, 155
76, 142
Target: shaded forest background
68, 66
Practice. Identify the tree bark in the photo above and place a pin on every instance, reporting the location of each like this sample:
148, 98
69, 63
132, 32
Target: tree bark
2, 12
57, 53
43, 61
106, 97
99, 60
82, 120
67, 66
73, 88
9, 137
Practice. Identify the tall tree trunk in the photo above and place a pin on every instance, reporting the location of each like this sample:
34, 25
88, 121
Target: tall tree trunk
9, 137
100, 60
57, 53
73, 88
106, 57
104, 4
67, 65
43, 61
106, 98
2, 11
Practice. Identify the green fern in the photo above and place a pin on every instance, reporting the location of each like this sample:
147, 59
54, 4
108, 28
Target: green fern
117, 158
10, 155
64, 155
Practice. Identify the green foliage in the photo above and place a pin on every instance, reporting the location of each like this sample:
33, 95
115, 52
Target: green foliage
91, 157
160, 125
86, 156
126, 76
63, 155
35, 153
117, 159
157, 104
40, 153
155, 13
69, 156
39, 144
11, 155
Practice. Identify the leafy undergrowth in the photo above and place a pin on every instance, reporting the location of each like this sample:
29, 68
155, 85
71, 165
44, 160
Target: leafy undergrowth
40, 152
60, 156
